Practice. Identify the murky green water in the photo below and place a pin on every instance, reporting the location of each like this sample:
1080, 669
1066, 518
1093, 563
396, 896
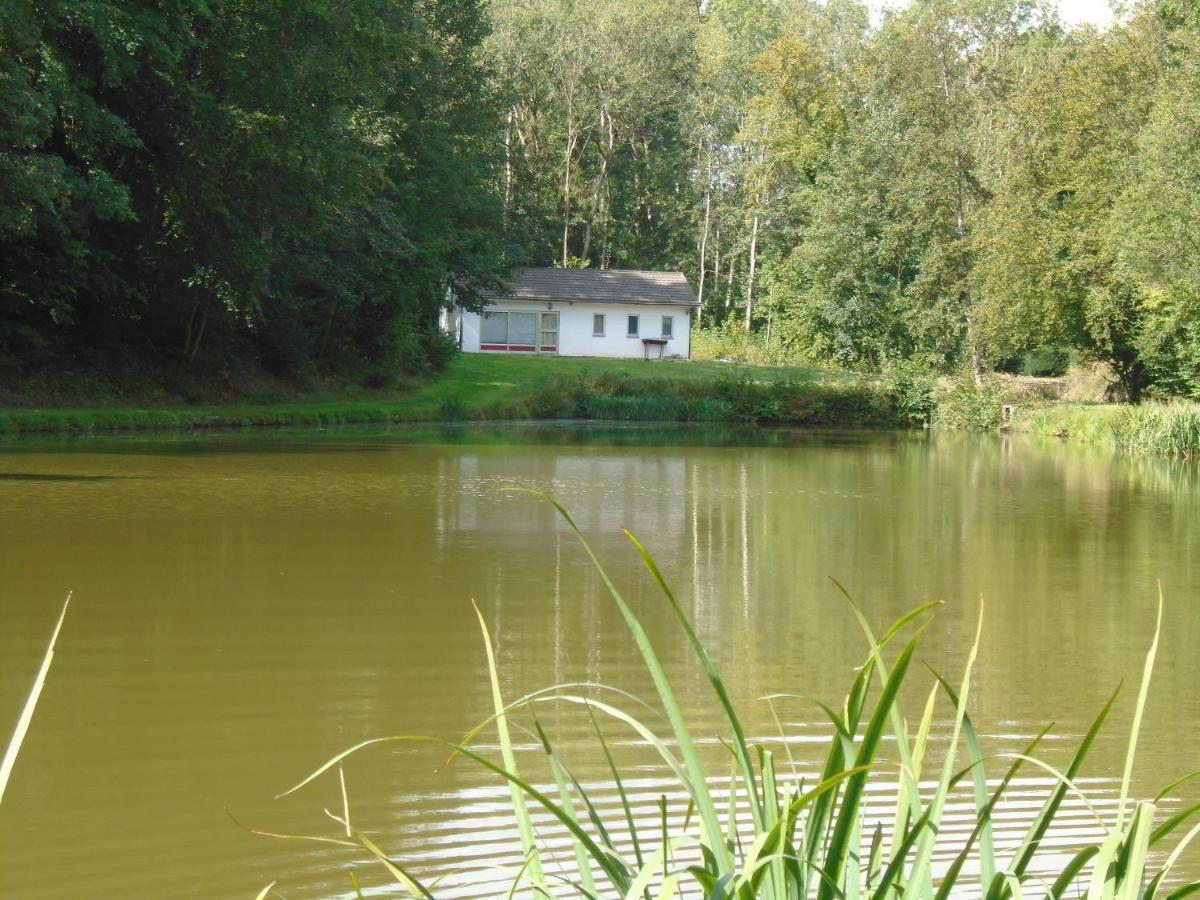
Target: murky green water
243, 608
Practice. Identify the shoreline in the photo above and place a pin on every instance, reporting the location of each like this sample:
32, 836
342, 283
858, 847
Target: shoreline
477, 388
490, 390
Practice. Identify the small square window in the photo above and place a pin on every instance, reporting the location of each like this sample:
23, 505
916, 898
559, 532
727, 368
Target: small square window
668, 330
633, 326
598, 325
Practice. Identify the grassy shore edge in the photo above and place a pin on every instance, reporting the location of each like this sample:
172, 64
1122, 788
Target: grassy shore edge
478, 388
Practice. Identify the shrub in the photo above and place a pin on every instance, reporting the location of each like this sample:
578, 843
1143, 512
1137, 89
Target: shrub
910, 382
970, 406
1046, 361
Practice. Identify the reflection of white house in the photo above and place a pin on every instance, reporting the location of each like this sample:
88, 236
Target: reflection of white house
582, 312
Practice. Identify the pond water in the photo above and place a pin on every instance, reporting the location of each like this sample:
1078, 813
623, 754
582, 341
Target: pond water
246, 607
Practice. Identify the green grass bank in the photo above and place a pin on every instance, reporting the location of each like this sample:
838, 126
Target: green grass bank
477, 387
1155, 428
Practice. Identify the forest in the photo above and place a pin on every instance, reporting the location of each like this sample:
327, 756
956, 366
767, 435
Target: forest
211, 185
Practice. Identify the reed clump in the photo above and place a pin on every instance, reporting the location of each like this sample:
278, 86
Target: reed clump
1163, 429
809, 840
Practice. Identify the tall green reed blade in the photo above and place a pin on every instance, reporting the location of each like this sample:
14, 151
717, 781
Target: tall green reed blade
524, 825
522, 702
710, 823
1071, 871
587, 883
1131, 865
740, 746
912, 790
816, 832
1037, 830
1139, 708
903, 808
35, 692
1185, 890
1172, 823
820, 819
983, 821
771, 805
891, 879
835, 855
987, 852
920, 877
620, 785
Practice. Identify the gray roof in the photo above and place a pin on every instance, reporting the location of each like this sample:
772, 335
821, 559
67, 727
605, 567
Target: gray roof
598, 286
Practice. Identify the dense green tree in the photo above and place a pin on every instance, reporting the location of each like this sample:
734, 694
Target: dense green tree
289, 183
202, 184
1048, 268
596, 161
1154, 229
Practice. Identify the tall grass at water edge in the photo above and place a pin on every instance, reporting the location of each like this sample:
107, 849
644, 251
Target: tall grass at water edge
1153, 428
806, 839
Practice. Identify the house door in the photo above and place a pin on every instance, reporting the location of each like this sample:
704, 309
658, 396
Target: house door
549, 333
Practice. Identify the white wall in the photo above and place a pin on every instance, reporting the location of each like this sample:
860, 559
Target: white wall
575, 336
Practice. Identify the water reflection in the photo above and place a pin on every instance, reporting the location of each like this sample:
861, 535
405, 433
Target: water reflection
245, 608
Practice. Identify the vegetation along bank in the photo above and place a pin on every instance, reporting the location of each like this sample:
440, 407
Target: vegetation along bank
477, 387
482, 388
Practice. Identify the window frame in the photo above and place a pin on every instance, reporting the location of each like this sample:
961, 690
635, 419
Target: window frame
537, 344
668, 327
633, 324
601, 319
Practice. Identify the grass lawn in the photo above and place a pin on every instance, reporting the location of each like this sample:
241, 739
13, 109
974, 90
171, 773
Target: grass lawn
484, 379
474, 386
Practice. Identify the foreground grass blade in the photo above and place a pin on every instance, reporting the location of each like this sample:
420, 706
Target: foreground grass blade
560, 781
839, 847
920, 876
1028, 848
1071, 871
528, 843
735, 726
913, 791
35, 692
1139, 708
710, 823
619, 783
983, 830
984, 821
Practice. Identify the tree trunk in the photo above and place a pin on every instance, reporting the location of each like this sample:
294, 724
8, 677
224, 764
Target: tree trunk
570, 152
729, 284
508, 175
716, 261
601, 181
704, 234
750, 275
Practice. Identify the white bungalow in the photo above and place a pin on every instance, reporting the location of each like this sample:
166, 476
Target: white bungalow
582, 312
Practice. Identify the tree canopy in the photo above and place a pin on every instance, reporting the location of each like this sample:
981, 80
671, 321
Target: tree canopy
297, 183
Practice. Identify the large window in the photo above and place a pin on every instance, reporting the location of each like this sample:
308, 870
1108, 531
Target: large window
598, 325
522, 330
633, 327
494, 329
519, 332
668, 330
